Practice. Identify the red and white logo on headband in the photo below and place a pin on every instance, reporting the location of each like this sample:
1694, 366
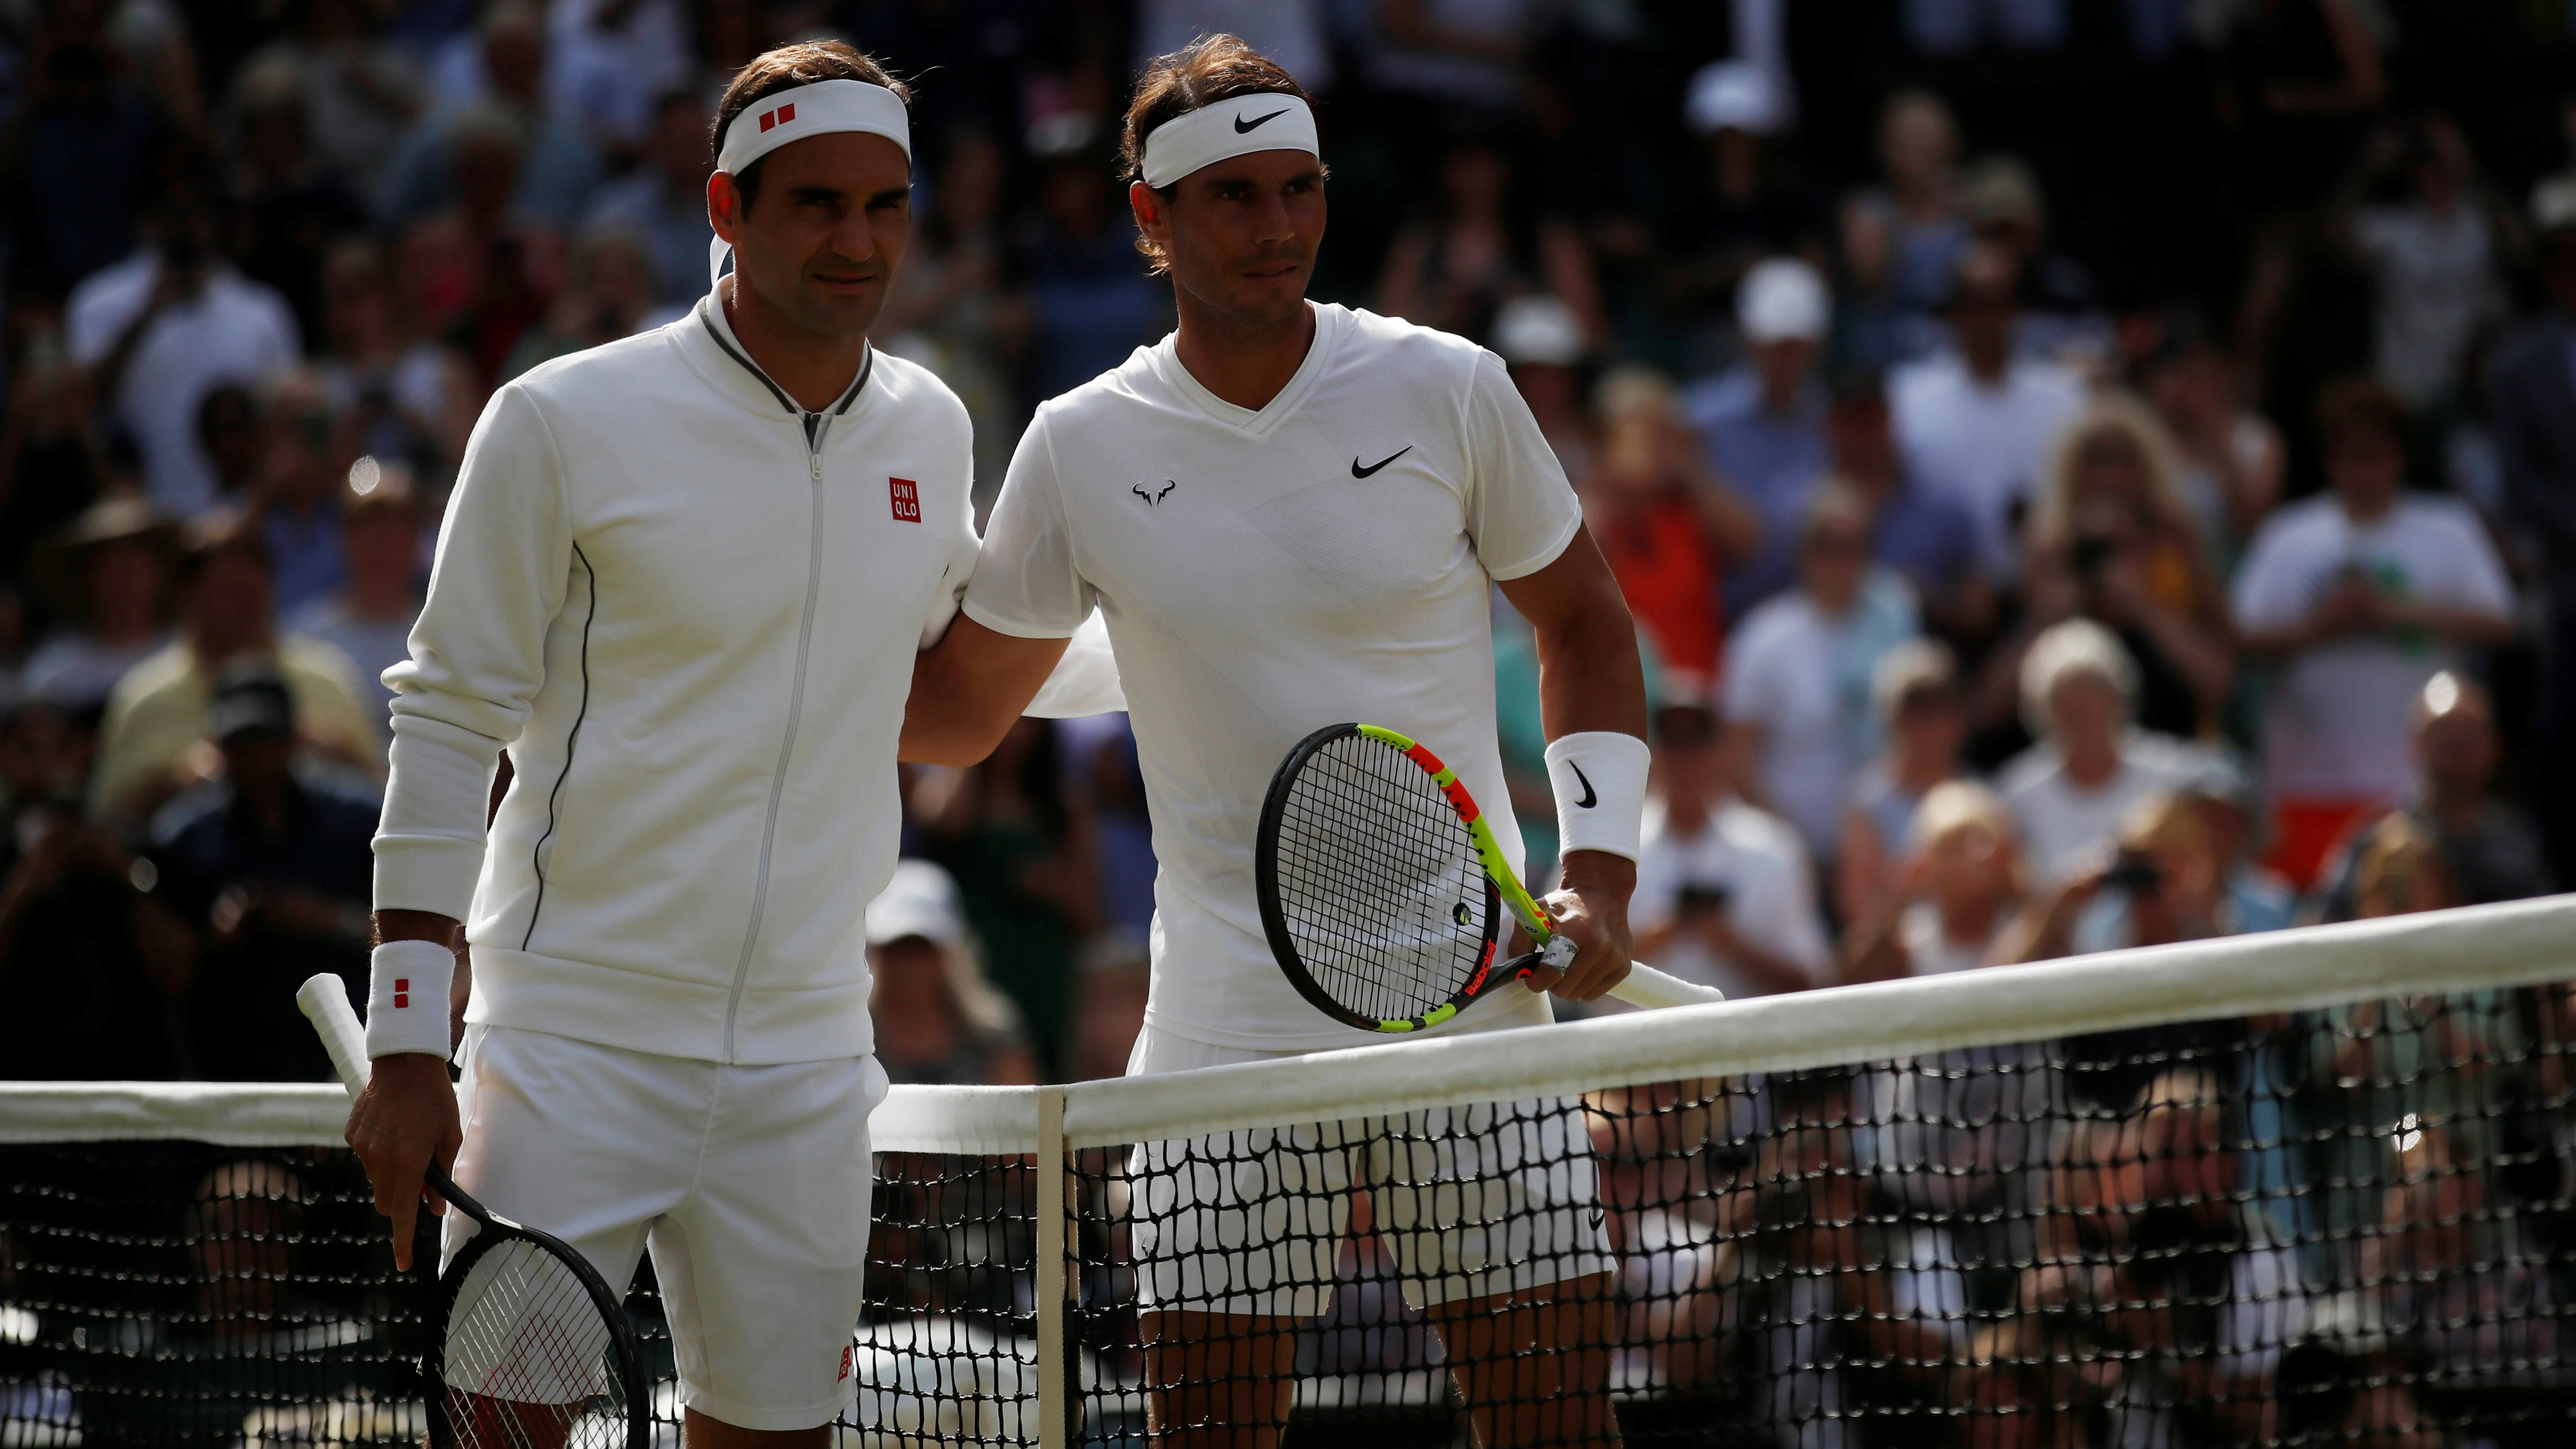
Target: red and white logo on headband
769, 119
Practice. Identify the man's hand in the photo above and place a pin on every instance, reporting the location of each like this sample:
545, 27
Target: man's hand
1592, 910
405, 1120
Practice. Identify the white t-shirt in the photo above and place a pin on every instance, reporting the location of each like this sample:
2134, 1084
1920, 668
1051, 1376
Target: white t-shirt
233, 331
1756, 859
1981, 445
1803, 676
2061, 822
1263, 574
2339, 721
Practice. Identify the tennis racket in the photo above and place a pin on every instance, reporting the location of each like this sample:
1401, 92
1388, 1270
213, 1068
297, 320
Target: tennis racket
532, 1350
1384, 894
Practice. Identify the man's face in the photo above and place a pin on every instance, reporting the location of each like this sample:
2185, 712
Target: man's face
1241, 233
821, 244
2366, 468
231, 597
2458, 748
380, 543
1785, 362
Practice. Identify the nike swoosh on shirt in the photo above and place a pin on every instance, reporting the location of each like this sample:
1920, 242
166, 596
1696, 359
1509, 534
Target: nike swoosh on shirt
1241, 125
1359, 472
1589, 799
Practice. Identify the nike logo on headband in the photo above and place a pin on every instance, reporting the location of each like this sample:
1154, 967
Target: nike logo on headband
1241, 125
1359, 472
1589, 799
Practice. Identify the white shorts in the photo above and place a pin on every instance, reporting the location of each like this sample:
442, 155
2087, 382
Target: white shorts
1473, 1201
750, 1184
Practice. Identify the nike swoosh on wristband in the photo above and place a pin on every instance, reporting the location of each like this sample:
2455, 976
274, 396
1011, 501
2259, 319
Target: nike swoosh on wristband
1241, 125
1359, 472
1590, 798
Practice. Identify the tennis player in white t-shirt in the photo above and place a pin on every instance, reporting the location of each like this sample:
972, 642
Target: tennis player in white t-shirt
1291, 515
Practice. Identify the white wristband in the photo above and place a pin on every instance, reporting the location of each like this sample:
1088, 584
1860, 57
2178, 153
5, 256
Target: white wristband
1600, 782
407, 998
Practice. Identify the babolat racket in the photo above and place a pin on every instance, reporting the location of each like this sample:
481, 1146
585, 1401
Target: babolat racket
1384, 894
532, 1350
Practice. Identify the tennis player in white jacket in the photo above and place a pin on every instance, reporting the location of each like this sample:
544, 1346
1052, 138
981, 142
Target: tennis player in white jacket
682, 581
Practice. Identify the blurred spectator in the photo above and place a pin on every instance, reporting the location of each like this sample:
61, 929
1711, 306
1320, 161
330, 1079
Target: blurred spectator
1927, 538
273, 870
950, 310
1763, 424
1915, 691
1294, 33
2230, 812
2233, 460
2165, 883
1975, 421
496, 84
1902, 240
1090, 299
85, 144
483, 270
2000, 198
232, 430
937, 1021
664, 203
297, 500
1111, 1013
1480, 241
1743, 202
1539, 339
2435, 258
1797, 689
1024, 864
1457, 54
86, 959
609, 295
1725, 894
167, 325
1668, 528
359, 92
1958, 886
2361, 595
2070, 791
606, 62
2111, 539
1106, 788
369, 619
158, 716
107, 576
405, 396
1956, 27
2532, 392
2489, 850
293, 209
51, 467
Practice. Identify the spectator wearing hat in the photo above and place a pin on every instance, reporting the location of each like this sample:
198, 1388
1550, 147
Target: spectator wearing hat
1726, 894
2532, 395
2070, 791
1763, 424
938, 1021
1541, 341
2001, 199
1797, 691
2360, 596
158, 714
369, 618
271, 867
1669, 530
108, 573
1744, 202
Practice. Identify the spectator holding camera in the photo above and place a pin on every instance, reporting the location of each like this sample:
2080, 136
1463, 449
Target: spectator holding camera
1960, 886
2162, 884
2359, 597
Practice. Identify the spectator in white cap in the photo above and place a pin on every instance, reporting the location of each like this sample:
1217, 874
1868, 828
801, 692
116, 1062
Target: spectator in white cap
1541, 341
1744, 201
1763, 424
2069, 791
938, 1020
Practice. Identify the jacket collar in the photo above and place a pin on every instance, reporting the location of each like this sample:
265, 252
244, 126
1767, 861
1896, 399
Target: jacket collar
709, 341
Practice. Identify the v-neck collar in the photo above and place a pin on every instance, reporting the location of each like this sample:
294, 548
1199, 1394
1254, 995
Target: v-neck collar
1261, 422
711, 313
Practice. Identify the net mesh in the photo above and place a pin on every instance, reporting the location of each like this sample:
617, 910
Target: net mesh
2350, 1223
1376, 882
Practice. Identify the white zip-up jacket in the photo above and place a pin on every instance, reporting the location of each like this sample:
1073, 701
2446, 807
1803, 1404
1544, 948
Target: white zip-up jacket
689, 610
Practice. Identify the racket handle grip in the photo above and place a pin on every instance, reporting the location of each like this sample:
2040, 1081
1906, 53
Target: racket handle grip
1648, 987
326, 1004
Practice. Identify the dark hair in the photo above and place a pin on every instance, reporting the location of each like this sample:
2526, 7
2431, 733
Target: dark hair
2360, 405
1208, 70
784, 69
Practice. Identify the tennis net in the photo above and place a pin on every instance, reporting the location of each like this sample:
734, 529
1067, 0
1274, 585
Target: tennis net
2318, 1187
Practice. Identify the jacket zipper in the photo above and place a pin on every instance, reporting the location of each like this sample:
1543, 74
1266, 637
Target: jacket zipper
817, 427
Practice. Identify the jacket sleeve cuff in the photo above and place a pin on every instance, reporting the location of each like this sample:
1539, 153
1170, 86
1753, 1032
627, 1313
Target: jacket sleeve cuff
433, 873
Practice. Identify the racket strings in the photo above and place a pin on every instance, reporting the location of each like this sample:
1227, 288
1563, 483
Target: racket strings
528, 1359
1378, 881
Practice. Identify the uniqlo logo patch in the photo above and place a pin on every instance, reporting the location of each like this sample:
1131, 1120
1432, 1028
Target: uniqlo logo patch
907, 499
402, 991
771, 120
845, 1363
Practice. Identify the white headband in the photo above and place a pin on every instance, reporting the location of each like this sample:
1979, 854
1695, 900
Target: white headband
1235, 126
819, 109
